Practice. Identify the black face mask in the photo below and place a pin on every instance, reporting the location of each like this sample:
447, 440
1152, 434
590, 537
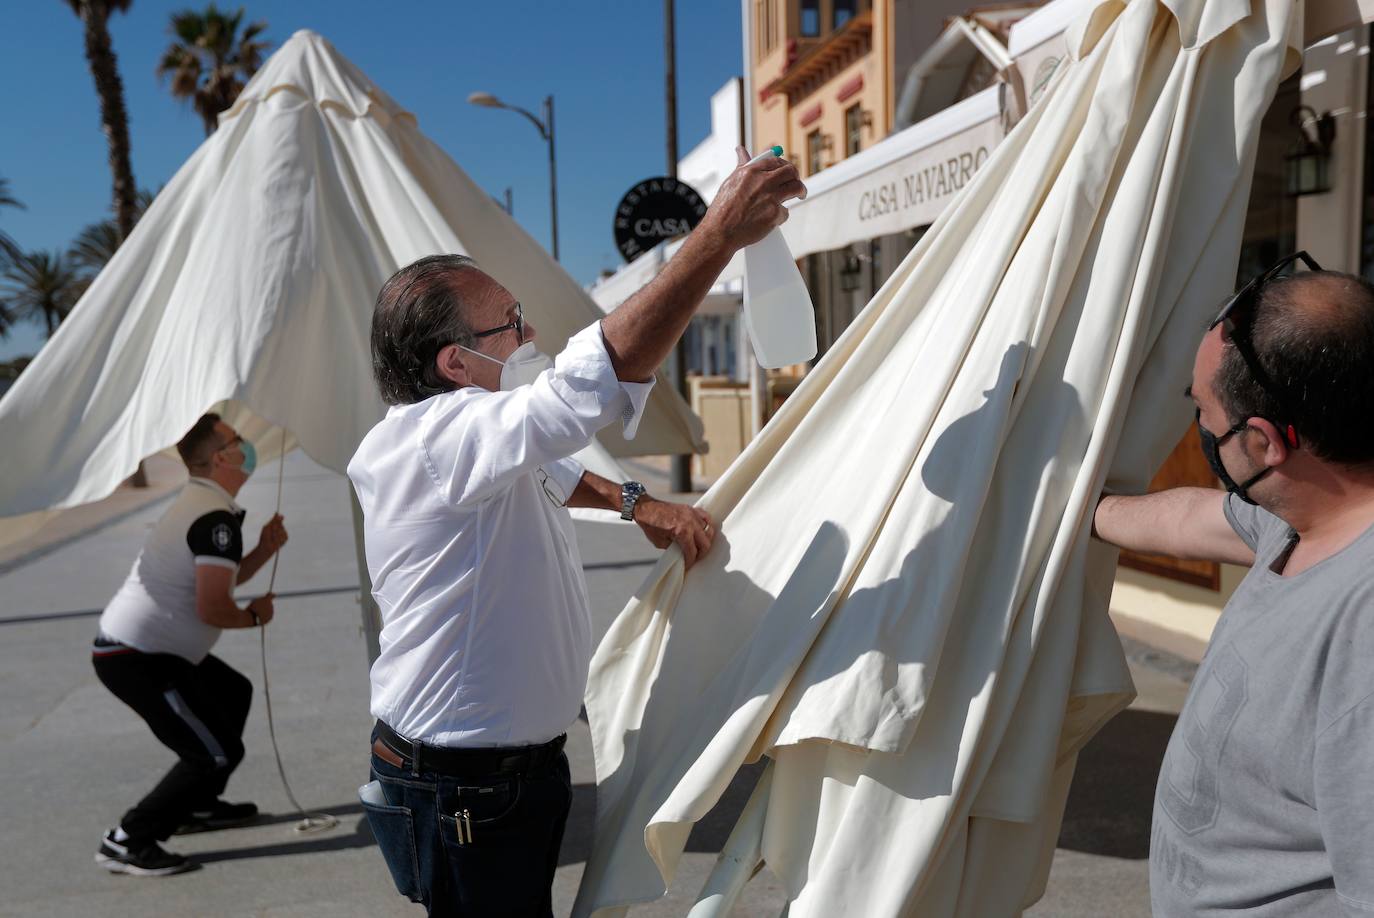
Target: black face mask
1211, 450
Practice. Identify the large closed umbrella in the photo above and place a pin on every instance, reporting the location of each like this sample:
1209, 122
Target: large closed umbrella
904, 611
249, 285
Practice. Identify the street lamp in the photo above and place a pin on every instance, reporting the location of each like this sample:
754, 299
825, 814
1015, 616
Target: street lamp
487, 100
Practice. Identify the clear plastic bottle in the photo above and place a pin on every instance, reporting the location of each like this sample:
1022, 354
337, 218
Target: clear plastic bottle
777, 306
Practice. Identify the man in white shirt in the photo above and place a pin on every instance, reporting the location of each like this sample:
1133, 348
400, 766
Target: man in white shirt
486, 636
153, 650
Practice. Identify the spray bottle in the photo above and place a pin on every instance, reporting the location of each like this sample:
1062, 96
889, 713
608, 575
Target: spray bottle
777, 306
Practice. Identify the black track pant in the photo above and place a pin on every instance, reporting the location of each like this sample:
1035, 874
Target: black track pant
196, 710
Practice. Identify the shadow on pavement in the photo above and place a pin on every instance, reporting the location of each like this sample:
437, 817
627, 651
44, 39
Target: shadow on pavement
339, 839
1112, 796
338, 812
1108, 811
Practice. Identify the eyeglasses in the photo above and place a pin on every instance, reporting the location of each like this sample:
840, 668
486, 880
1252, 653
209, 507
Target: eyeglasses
1235, 319
231, 443
518, 325
550, 487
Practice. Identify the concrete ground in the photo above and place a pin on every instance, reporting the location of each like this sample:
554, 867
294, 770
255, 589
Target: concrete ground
74, 758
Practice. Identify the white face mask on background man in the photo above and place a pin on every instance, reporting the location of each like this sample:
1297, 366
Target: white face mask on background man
521, 368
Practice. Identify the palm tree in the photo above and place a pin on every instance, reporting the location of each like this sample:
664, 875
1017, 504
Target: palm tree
95, 245
209, 61
41, 286
8, 247
114, 119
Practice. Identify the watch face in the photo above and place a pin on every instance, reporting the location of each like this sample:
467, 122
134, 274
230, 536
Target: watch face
630, 493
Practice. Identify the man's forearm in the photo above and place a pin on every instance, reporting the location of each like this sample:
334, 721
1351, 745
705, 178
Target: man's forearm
251, 564
597, 493
225, 613
641, 333
1186, 523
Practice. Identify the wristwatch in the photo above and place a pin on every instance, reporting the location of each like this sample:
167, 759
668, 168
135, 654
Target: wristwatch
630, 493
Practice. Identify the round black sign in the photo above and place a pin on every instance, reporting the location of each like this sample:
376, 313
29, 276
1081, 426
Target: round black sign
654, 210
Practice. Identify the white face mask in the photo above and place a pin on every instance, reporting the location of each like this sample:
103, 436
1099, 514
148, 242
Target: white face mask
521, 368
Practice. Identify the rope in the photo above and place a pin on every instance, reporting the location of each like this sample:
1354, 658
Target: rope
310, 822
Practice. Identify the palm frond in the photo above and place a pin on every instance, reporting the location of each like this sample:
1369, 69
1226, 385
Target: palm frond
97, 243
7, 199
94, 246
41, 287
187, 27
212, 57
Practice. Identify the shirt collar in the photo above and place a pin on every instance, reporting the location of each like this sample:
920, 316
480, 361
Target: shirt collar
218, 489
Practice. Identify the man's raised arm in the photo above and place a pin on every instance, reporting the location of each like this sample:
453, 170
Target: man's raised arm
641, 333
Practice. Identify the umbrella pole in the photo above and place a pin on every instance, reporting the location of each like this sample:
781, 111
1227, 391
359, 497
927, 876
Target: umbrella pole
372, 615
741, 857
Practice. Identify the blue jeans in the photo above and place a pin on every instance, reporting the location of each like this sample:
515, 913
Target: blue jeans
497, 861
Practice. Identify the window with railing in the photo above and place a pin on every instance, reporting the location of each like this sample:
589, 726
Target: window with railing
815, 146
853, 129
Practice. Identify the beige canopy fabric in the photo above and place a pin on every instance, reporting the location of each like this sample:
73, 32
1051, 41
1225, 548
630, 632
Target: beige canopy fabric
249, 284
904, 611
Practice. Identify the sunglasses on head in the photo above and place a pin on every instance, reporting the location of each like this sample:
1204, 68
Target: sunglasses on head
1235, 319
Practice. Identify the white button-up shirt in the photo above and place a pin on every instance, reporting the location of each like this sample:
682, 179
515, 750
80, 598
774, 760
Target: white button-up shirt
486, 634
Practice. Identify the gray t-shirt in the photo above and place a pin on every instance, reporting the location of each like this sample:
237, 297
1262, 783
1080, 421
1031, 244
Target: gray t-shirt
1265, 801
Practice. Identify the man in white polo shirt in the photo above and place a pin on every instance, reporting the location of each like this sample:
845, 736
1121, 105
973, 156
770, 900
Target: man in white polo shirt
153, 650
486, 637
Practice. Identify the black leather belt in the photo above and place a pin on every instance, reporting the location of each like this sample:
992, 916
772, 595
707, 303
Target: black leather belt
499, 760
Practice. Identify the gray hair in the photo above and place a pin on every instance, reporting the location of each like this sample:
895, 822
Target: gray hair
418, 313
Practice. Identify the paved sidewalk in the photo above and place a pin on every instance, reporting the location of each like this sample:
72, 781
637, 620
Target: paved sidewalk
74, 758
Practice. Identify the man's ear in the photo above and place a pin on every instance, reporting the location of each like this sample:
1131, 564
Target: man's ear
1271, 443
448, 363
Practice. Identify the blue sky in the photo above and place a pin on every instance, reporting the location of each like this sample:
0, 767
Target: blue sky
602, 60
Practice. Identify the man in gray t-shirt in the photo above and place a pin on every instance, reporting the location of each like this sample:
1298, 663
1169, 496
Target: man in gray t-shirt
1266, 795
1265, 800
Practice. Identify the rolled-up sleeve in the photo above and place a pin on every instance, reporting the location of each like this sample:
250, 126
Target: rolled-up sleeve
477, 443
586, 350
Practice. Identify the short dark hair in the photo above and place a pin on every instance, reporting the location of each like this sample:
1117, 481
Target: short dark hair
1314, 335
416, 316
200, 441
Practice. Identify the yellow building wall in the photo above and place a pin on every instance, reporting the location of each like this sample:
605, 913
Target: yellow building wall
831, 122
776, 121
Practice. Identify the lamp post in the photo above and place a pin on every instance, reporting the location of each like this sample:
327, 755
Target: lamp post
680, 470
487, 100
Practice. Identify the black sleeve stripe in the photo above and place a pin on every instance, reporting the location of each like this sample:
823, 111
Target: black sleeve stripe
216, 535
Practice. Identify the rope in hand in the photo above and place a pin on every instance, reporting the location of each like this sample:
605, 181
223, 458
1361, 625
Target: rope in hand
310, 822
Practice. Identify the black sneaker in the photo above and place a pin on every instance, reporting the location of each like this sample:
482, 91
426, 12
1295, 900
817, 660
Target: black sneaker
219, 815
148, 860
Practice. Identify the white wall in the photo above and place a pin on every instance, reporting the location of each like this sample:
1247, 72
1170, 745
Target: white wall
710, 161
1334, 79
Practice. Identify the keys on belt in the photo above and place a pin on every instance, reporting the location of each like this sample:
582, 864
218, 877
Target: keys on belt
463, 818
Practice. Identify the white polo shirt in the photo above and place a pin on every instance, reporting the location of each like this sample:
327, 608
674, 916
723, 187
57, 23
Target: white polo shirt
155, 610
486, 634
